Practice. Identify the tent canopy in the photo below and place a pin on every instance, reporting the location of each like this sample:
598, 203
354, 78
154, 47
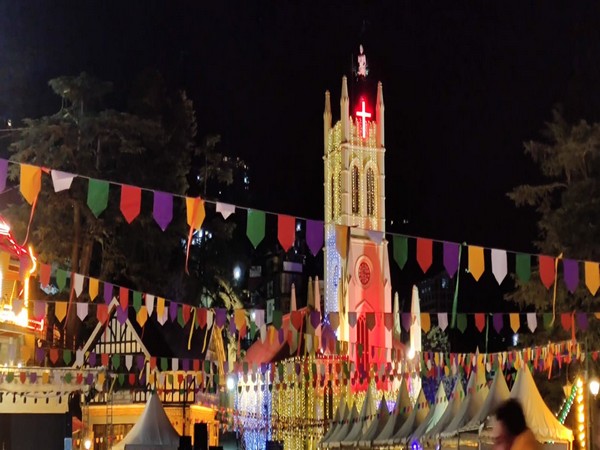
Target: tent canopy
498, 393
399, 415
153, 431
539, 418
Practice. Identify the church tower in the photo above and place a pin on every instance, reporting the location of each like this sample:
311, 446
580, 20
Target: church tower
357, 273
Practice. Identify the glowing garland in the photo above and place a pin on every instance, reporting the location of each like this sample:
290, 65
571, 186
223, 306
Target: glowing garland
580, 414
567, 403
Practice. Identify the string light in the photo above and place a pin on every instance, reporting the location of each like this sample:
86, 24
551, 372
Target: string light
581, 437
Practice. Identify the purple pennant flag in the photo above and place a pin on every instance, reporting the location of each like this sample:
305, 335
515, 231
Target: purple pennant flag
172, 311
451, 257
139, 361
582, 321
121, 315
220, 317
498, 322
92, 359
406, 320
89, 380
163, 209
314, 236
315, 318
571, 274
39, 355
108, 292
3, 174
185, 365
33, 377
280, 335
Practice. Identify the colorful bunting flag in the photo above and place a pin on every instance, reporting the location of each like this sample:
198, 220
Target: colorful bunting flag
476, 261
571, 274
31, 182
400, 244
547, 270
424, 253
314, 236
499, 264
61, 181
255, 226
592, 276
93, 288
97, 196
225, 209
131, 202
523, 266
162, 209
515, 322
451, 259
3, 174
286, 231
195, 212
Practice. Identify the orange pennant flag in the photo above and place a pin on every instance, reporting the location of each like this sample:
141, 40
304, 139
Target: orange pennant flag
195, 212
93, 288
31, 182
476, 261
515, 322
142, 315
592, 276
160, 307
60, 310
425, 322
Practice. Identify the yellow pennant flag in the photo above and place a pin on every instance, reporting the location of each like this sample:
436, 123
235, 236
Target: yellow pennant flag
160, 307
476, 262
515, 322
31, 182
45, 377
592, 276
93, 288
195, 212
25, 353
101, 378
142, 315
60, 310
425, 322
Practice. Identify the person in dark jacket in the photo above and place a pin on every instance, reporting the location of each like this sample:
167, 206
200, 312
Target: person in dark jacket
510, 431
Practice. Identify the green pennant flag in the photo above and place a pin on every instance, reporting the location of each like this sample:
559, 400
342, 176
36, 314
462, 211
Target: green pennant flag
461, 322
523, 266
253, 329
170, 379
68, 377
97, 196
67, 356
400, 250
137, 300
277, 319
121, 379
61, 279
547, 319
280, 371
164, 364
207, 367
116, 360
180, 316
255, 226
10, 376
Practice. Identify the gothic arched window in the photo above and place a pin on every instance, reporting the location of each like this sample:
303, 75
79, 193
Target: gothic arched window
371, 194
332, 197
355, 190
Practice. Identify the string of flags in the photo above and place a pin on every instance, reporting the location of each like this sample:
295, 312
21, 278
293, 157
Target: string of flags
423, 249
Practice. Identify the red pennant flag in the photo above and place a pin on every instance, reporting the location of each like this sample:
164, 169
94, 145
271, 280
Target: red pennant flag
480, 321
131, 201
102, 313
53, 355
201, 317
547, 270
196, 365
424, 253
286, 231
45, 270
131, 379
153, 362
104, 359
565, 321
124, 298
186, 312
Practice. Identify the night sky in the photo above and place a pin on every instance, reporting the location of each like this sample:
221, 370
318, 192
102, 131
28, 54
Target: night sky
464, 85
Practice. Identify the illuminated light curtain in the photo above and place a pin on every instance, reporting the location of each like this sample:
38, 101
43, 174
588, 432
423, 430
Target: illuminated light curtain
371, 192
333, 203
355, 190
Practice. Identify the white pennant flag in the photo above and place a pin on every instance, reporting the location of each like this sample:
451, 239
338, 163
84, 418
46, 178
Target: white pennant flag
128, 361
61, 180
79, 358
82, 310
531, 321
149, 304
209, 318
499, 264
174, 364
78, 283
162, 319
443, 321
225, 209
259, 317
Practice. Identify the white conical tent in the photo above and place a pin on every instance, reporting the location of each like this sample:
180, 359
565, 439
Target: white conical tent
343, 431
477, 392
498, 393
437, 411
383, 415
539, 418
400, 414
153, 431
339, 416
417, 416
454, 403
366, 416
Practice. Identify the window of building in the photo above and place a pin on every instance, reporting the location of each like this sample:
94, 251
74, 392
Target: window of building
355, 190
371, 194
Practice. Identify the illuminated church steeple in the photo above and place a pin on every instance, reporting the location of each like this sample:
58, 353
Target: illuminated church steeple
357, 275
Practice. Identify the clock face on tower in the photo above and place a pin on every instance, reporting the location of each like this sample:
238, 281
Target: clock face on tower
363, 271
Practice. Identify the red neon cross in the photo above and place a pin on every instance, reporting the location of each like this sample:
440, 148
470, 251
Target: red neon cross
364, 115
